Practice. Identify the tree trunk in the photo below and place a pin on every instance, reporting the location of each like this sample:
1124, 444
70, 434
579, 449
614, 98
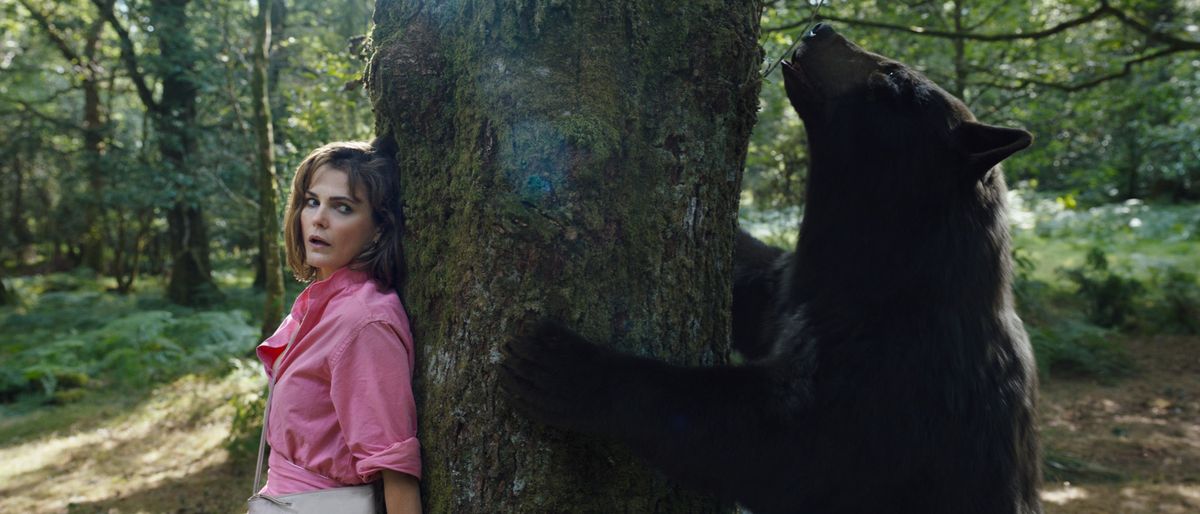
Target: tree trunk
94, 150
191, 280
959, 87
277, 60
578, 160
128, 245
17, 221
268, 194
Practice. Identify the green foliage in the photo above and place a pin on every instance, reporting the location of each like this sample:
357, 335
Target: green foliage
1075, 346
1063, 340
1177, 302
246, 426
1114, 146
118, 196
75, 340
1119, 271
1111, 298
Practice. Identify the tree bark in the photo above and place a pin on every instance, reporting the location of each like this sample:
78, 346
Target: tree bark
579, 160
6, 297
191, 280
268, 193
94, 135
128, 249
277, 59
17, 221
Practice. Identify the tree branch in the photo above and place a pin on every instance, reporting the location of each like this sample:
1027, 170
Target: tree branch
1104, 10
1126, 69
128, 54
1162, 37
917, 30
1173, 44
28, 109
51, 32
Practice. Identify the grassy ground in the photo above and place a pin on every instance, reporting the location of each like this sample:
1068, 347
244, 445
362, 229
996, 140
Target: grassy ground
163, 452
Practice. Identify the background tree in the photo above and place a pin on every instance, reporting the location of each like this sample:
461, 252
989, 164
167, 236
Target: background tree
174, 116
268, 192
576, 160
86, 63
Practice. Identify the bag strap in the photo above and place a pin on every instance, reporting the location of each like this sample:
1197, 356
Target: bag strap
262, 438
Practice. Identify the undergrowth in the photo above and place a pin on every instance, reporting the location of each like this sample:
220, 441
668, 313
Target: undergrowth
1087, 279
67, 335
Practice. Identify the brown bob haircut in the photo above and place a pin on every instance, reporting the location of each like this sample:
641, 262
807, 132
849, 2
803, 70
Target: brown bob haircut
371, 166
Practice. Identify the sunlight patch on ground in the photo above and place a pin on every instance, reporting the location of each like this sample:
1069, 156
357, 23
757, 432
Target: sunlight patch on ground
1190, 492
1064, 494
179, 430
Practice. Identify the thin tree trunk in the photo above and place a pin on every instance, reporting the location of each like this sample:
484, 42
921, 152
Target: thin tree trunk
129, 253
19, 225
579, 160
276, 61
1131, 167
119, 244
268, 195
6, 297
959, 88
94, 150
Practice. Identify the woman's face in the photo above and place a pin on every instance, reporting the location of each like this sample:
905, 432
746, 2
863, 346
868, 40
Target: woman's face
335, 226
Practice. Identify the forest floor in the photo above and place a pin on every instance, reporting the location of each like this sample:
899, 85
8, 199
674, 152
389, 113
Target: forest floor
1131, 446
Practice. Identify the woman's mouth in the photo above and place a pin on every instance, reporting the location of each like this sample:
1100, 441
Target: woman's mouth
317, 242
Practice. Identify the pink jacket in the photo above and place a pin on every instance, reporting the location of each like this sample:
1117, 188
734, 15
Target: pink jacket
343, 406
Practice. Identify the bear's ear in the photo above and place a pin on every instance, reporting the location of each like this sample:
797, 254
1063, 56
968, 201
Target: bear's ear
987, 145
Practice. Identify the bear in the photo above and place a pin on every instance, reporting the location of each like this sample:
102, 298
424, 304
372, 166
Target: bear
887, 369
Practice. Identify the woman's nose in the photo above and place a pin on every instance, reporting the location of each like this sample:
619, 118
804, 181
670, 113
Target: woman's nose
321, 217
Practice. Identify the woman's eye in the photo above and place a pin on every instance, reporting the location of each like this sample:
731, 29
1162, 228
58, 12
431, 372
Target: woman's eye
344, 209
311, 202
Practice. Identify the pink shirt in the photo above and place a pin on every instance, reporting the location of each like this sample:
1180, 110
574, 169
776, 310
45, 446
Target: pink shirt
342, 409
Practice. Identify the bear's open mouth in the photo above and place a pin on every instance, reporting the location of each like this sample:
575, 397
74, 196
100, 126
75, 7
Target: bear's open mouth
797, 80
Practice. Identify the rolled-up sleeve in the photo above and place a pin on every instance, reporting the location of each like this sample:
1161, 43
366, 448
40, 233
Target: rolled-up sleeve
371, 388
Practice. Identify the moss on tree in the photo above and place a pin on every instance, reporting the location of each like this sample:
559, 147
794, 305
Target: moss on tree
575, 160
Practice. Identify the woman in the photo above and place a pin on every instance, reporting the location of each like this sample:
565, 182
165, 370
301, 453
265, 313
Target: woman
342, 410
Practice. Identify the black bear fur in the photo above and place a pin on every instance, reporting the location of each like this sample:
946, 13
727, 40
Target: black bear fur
888, 370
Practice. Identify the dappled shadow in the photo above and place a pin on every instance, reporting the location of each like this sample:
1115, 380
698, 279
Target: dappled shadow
173, 440
220, 488
1128, 447
1124, 499
100, 407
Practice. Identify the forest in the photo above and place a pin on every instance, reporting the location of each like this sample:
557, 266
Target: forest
148, 147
